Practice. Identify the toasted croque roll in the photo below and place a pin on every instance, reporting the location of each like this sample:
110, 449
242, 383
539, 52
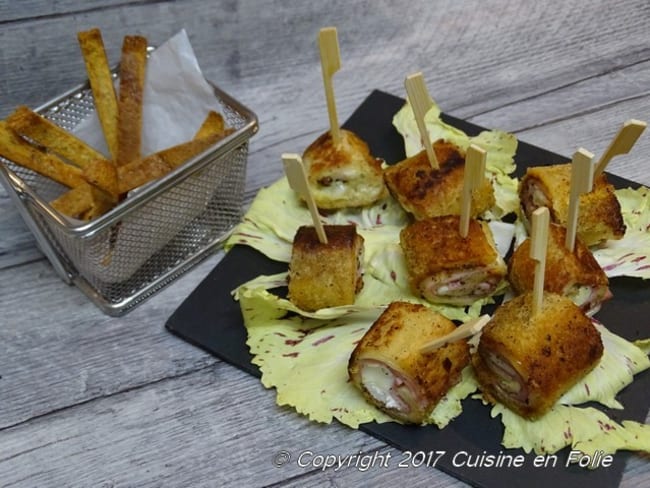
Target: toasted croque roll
344, 174
576, 275
527, 362
388, 368
599, 217
427, 192
325, 275
446, 268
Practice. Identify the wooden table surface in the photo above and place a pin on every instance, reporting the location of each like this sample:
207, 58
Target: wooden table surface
89, 400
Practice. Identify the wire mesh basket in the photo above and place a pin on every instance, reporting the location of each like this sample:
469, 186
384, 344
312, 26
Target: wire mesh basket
157, 233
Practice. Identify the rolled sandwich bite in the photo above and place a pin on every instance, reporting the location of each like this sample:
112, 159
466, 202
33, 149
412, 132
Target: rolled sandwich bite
446, 268
325, 275
600, 216
391, 372
344, 174
427, 192
527, 362
576, 275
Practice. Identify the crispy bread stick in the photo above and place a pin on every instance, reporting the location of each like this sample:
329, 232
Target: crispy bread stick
154, 166
129, 119
56, 139
101, 83
103, 174
213, 124
18, 150
212, 129
84, 202
139, 172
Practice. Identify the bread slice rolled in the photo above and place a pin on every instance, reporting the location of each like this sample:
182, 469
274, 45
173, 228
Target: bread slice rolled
446, 268
576, 275
426, 192
325, 275
527, 362
388, 368
345, 174
599, 216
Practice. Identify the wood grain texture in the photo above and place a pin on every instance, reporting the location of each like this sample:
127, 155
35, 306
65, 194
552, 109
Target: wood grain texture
88, 400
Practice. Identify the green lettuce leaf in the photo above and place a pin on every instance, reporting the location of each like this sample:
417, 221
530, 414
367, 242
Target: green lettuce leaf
375, 296
587, 429
629, 256
631, 436
562, 426
620, 362
449, 407
262, 229
306, 359
385, 273
644, 345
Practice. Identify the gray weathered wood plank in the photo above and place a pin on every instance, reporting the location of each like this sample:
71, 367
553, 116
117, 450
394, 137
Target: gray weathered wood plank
186, 426
59, 350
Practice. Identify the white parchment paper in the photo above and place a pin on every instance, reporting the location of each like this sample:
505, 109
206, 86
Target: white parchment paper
176, 99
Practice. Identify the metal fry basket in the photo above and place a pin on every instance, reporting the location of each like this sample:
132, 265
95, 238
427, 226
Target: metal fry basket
157, 233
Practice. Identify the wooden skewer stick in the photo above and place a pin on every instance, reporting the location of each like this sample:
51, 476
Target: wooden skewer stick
538, 244
582, 181
421, 102
297, 177
330, 59
473, 177
468, 329
622, 143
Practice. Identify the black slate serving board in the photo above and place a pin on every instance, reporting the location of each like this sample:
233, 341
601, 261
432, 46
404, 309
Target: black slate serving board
210, 319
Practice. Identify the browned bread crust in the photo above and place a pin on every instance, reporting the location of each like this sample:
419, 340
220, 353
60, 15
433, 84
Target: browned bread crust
345, 174
550, 352
325, 275
132, 76
599, 210
395, 338
425, 192
434, 245
563, 270
30, 124
101, 83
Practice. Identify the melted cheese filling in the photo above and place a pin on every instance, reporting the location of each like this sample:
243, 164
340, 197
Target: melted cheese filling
378, 380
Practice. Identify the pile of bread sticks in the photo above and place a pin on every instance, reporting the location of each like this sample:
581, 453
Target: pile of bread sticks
97, 183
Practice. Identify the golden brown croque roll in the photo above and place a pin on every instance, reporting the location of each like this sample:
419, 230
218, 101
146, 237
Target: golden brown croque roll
393, 375
576, 274
344, 174
325, 275
444, 267
528, 362
599, 216
427, 192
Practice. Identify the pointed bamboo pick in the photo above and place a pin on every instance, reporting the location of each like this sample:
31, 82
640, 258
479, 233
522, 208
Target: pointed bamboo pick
468, 329
622, 143
538, 244
421, 102
582, 181
330, 59
297, 177
472, 178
